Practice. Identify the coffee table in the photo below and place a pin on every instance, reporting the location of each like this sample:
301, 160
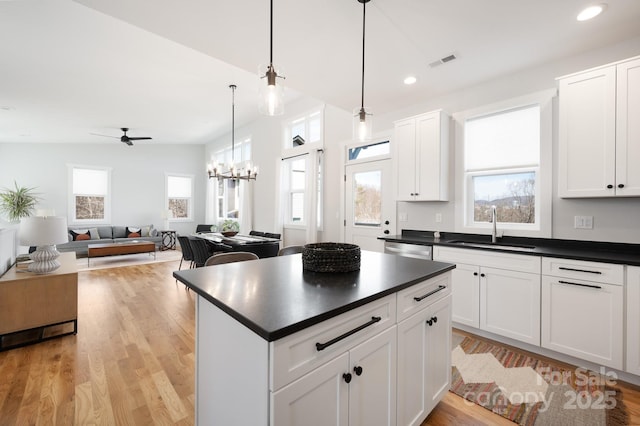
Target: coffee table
125, 247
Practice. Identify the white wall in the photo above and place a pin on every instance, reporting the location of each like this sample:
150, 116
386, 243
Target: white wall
138, 176
614, 220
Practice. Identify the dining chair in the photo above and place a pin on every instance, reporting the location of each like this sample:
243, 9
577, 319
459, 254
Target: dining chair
272, 235
200, 250
187, 253
256, 233
237, 256
203, 228
284, 251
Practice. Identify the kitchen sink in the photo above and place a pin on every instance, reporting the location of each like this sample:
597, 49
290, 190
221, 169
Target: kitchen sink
501, 246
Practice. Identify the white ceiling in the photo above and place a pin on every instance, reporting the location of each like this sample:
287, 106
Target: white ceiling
72, 68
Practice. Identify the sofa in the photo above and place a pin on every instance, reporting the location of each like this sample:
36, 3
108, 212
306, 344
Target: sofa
81, 236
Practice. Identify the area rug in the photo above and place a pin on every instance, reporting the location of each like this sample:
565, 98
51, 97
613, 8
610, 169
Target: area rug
127, 260
531, 391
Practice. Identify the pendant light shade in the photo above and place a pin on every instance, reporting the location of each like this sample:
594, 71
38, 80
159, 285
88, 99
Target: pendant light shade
271, 101
362, 117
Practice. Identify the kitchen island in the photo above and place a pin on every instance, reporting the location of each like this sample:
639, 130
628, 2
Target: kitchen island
279, 346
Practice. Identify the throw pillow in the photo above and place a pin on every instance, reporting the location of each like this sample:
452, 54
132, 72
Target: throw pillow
145, 231
80, 234
133, 232
94, 233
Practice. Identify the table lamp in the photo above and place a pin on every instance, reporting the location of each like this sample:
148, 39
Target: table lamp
44, 232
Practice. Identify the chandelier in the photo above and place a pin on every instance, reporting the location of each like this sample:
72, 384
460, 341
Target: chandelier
230, 171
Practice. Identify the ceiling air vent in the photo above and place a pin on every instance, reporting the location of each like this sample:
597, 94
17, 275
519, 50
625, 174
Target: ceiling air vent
441, 61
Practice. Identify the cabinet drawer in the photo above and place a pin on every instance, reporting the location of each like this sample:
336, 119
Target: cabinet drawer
512, 262
297, 354
583, 270
419, 296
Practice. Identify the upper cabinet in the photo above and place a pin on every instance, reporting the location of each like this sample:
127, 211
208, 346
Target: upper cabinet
421, 156
598, 139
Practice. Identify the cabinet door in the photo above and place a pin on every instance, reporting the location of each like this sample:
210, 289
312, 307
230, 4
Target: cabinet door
583, 319
405, 158
510, 304
438, 352
586, 163
372, 391
320, 398
633, 320
424, 361
465, 289
628, 129
431, 159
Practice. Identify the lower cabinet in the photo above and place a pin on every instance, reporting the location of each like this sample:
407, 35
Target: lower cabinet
583, 317
633, 320
356, 388
496, 292
424, 361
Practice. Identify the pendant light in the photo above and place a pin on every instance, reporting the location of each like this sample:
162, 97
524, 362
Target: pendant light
362, 118
271, 85
230, 171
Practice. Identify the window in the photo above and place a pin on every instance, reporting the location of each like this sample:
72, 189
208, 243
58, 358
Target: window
306, 129
506, 163
367, 203
180, 196
90, 199
301, 179
374, 150
227, 191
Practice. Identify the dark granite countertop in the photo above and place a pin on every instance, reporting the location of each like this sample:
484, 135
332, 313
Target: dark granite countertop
595, 251
275, 298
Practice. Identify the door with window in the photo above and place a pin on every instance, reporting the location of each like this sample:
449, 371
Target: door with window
369, 204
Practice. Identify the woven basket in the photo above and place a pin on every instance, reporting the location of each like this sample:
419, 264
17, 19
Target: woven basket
331, 257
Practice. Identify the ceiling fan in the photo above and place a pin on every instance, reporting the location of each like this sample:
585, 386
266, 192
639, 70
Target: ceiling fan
124, 138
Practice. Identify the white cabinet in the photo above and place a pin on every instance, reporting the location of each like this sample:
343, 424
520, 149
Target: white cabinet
633, 320
421, 157
356, 388
582, 310
424, 361
496, 292
599, 137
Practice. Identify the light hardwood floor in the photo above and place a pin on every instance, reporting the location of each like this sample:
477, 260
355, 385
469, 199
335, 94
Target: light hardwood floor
132, 361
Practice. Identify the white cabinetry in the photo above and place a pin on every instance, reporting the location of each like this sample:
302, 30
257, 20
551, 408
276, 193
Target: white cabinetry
424, 361
633, 320
599, 137
421, 156
582, 310
496, 292
356, 388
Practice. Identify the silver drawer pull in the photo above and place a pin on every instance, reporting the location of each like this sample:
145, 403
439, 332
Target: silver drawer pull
581, 285
580, 270
322, 346
440, 287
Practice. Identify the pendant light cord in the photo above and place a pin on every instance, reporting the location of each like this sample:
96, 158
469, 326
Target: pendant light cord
364, 9
233, 119
271, 34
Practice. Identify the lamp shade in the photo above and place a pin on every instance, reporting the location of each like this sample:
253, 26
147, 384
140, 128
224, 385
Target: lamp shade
43, 231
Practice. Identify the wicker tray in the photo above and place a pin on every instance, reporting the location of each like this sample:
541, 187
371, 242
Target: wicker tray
331, 257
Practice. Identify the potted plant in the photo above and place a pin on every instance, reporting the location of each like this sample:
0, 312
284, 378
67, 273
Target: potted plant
18, 203
229, 227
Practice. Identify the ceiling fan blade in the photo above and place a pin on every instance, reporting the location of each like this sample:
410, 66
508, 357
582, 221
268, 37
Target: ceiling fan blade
106, 136
138, 138
128, 142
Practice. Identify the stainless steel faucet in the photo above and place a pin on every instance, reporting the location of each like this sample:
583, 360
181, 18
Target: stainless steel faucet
494, 220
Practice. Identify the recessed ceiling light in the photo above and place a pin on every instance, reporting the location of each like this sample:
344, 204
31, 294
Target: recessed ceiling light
591, 12
410, 80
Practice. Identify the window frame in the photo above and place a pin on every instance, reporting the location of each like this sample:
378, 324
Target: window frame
71, 209
465, 198
191, 177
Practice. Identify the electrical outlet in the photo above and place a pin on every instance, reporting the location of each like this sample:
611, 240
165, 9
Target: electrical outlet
583, 222
403, 217
438, 217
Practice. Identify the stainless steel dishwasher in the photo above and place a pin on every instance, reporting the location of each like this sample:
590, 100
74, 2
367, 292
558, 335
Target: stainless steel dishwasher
416, 251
